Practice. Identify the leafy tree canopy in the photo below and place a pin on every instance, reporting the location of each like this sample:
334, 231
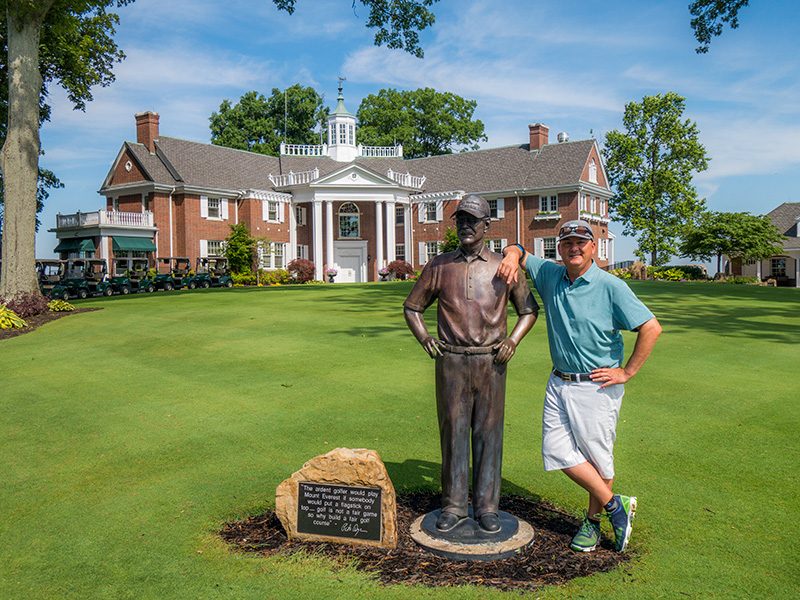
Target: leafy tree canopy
424, 121
398, 21
736, 235
451, 241
256, 123
709, 18
650, 165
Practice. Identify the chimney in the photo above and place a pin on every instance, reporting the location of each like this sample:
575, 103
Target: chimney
539, 135
147, 129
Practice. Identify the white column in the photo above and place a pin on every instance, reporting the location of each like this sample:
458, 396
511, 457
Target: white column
797, 271
317, 227
379, 233
390, 229
329, 233
758, 269
291, 254
407, 239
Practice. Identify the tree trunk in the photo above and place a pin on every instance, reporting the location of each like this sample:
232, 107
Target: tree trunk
719, 261
19, 158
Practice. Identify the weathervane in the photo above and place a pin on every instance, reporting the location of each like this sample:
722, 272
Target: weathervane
341, 79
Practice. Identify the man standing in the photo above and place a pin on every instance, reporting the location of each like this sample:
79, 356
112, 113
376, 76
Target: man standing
471, 355
586, 309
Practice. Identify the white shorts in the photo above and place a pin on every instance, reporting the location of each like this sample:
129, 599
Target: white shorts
579, 424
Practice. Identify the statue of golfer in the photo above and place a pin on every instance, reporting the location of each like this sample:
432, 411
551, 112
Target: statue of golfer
471, 355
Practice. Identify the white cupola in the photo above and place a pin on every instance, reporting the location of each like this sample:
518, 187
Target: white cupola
342, 132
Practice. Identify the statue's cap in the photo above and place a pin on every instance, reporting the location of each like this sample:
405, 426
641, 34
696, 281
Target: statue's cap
474, 205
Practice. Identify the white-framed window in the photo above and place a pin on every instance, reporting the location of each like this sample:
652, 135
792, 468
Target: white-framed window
399, 215
592, 171
342, 133
431, 249
115, 204
583, 203
497, 208
549, 248
214, 208
351, 135
603, 208
778, 267
349, 221
400, 251
216, 248
430, 211
496, 245
300, 215
548, 204
602, 248
302, 251
594, 206
272, 255
272, 211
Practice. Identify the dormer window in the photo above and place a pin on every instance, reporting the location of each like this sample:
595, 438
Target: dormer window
592, 171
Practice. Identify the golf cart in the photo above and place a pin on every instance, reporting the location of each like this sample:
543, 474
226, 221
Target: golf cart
49, 272
83, 277
213, 272
131, 275
173, 273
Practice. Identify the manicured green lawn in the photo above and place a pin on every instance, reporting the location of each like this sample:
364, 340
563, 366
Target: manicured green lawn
129, 435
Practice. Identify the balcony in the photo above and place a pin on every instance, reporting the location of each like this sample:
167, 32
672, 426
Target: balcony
304, 149
105, 217
407, 179
381, 151
292, 178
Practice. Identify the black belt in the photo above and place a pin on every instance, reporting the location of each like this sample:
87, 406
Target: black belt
468, 349
575, 377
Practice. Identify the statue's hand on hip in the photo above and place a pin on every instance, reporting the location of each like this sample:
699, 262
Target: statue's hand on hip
504, 351
433, 347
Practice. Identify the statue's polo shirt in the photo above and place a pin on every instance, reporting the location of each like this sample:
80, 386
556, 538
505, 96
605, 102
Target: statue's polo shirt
472, 298
584, 317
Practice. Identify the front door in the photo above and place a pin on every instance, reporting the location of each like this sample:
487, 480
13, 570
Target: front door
351, 258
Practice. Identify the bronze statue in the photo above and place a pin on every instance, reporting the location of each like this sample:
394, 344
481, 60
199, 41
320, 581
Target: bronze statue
471, 355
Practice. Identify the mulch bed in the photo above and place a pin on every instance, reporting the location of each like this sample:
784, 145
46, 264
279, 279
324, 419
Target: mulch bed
39, 320
547, 561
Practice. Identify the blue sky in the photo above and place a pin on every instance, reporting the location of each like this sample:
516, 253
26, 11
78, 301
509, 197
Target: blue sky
571, 64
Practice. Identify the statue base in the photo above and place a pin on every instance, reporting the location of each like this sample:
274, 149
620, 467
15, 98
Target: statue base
467, 541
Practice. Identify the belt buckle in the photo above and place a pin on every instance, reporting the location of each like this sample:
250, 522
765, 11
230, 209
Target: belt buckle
565, 377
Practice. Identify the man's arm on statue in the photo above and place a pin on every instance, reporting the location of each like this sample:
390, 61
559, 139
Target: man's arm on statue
416, 324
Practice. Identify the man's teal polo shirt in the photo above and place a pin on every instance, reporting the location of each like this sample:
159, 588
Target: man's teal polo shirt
584, 317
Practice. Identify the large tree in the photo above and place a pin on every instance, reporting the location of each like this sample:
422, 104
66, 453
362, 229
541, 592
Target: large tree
65, 41
735, 235
650, 166
70, 42
424, 121
257, 123
709, 18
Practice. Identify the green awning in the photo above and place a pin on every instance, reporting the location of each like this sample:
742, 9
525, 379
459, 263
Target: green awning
126, 244
75, 245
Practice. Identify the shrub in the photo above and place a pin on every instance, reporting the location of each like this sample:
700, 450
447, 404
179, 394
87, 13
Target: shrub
665, 273
60, 306
9, 319
277, 277
737, 279
240, 249
27, 304
240, 279
301, 270
400, 269
621, 273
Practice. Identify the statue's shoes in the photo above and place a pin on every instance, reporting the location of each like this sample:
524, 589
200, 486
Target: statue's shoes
489, 522
447, 521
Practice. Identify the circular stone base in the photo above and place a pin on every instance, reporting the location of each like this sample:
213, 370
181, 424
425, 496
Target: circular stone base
475, 543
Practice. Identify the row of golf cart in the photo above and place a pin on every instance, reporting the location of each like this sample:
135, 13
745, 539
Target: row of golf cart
84, 277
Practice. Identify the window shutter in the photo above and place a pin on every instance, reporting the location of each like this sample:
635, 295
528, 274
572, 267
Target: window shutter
423, 253
223, 208
421, 215
204, 207
203, 248
281, 212
501, 210
538, 247
503, 244
439, 210
264, 210
558, 254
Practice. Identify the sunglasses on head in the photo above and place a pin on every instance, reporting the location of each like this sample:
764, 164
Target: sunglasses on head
579, 229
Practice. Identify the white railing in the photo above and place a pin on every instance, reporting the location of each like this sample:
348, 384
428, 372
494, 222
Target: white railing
292, 178
106, 217
304, 149
592, 217
407, 179
381, 151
